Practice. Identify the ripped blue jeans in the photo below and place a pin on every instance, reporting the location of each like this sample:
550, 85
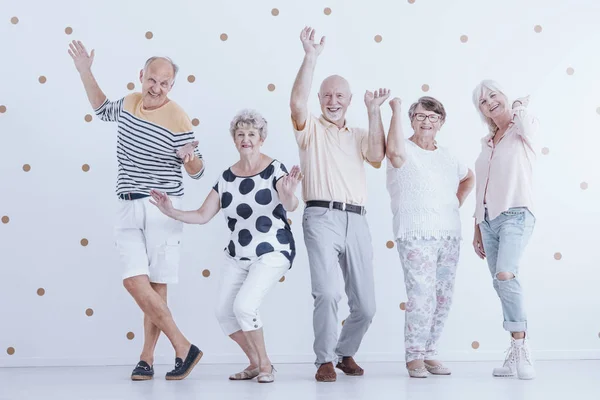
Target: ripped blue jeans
504, 240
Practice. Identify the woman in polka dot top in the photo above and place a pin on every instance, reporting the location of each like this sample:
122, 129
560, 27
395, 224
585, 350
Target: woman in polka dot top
254, 194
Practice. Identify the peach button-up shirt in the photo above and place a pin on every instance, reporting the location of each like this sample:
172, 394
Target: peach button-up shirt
504, 172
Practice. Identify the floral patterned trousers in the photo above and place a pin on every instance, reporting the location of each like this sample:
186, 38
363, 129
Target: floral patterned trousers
429, 273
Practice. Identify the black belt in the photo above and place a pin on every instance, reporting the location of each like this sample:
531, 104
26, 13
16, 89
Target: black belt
337, 205
132, 196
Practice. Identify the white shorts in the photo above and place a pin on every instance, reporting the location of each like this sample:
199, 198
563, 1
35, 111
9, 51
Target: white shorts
148, 241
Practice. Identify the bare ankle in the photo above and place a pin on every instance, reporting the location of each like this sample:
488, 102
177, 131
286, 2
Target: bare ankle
415, 364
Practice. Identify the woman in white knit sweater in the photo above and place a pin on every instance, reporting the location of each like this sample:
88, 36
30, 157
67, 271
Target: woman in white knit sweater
427, 185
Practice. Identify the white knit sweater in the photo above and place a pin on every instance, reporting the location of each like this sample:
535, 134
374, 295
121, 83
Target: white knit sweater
423, 194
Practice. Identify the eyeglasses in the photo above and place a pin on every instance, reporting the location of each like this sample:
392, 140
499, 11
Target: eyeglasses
432, 117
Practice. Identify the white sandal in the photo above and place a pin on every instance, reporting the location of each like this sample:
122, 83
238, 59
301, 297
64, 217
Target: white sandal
420, 372
245, 375
438, 369
266, 377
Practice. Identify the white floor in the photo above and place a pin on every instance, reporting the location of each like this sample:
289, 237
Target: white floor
571, 380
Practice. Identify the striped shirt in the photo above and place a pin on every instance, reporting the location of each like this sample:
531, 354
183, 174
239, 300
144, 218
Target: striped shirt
147, 143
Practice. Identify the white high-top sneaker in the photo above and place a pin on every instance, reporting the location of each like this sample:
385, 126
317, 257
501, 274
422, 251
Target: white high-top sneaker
525, 368
509, 368
518, 361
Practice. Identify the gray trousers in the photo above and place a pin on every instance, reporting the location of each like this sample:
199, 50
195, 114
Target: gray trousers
335, 237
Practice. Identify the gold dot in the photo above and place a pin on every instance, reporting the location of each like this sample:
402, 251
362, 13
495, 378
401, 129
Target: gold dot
10, 351
570, 71
274, 12
26, 167
191, 78
289, 221
130, 335
195, 122
378, 38
464, 38
89, 312
5, 219
583, 185
42, 79
537, 28
84, 242
206, 273
41, 292
403, 306
545, 151
131, 86
2, 109
224, 36
475, 345
327, 11
68, 30
557, 256
271, 87
88, 118
14, 20
389, 244
149, 35
343, 322
282, 279
425, 88
85, 167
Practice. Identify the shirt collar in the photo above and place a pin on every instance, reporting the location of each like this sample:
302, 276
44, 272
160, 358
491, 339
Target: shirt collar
329, 124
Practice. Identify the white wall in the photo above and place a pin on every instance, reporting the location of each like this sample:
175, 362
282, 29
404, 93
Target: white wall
54, 205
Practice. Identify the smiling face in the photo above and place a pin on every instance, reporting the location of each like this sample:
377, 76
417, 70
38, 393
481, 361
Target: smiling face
335, 98
247, 139
422, 123
492, 103
157, 80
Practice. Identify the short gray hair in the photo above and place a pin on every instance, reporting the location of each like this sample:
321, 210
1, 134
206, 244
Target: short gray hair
429, 104
478, 92
154, 58
251, 118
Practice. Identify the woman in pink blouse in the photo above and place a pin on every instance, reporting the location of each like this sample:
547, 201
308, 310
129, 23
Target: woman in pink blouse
504, 214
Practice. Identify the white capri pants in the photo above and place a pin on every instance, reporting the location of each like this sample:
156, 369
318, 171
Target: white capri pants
243, 286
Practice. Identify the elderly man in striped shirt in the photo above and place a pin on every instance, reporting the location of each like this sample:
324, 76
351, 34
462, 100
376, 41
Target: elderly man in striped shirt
155, 137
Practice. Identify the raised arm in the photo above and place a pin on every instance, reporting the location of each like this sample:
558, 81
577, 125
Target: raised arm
205, 213
373, 101
303, 82
83, 63
395, 149
527, 125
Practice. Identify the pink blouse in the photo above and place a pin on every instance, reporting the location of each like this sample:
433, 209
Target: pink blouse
504, 172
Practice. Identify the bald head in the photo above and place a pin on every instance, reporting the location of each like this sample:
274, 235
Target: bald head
162, 64
335, 82
335, 97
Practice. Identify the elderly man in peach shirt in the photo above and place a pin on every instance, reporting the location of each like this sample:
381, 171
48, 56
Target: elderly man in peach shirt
332, 158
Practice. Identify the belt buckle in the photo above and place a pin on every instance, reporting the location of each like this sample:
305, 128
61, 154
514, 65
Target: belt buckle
331, 205
127, 196
363, 210
343, 206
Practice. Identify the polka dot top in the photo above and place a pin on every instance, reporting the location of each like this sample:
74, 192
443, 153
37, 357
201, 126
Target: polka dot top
255, 216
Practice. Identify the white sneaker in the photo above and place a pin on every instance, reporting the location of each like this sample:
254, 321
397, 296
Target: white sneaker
525, 368
518, 361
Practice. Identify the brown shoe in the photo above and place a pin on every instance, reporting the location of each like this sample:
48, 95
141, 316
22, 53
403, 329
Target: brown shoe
350, 367
326, 373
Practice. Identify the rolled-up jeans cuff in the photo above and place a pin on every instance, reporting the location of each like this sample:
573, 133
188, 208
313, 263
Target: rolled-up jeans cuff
511, 326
